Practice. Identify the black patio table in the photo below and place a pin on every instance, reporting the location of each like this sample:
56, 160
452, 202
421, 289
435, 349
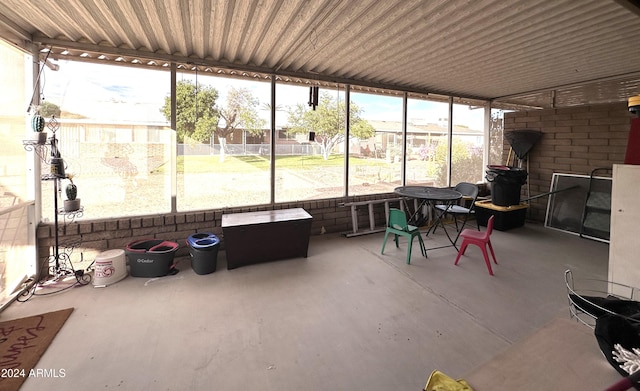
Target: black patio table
429, 196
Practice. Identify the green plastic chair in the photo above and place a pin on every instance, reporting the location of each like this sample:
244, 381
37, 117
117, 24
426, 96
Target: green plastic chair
398, 226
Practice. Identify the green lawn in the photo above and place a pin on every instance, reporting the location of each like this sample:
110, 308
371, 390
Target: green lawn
248, 163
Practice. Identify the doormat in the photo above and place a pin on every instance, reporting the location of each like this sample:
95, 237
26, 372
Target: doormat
22, 342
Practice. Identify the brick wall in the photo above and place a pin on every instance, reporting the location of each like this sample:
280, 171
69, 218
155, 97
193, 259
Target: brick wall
575, 141
94, 236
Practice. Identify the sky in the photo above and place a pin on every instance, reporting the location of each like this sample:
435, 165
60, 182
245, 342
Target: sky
113, 93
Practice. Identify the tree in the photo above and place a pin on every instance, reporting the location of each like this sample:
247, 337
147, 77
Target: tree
466, 162
48, 109
328, 122
267, 107
241, 112
197, 116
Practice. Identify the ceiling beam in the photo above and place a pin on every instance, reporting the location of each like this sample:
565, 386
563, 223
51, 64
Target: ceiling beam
169, 58
635, 74
631, 5
22, 35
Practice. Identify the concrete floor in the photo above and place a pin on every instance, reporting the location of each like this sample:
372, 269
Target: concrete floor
345, 318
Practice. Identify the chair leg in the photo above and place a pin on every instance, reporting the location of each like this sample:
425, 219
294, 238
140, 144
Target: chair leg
396, 240
386, 236
486, 259
464, 222
422, 248
463, 248
492, 253
409, 250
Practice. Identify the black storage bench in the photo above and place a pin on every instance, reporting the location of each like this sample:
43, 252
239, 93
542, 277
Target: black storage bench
264, 236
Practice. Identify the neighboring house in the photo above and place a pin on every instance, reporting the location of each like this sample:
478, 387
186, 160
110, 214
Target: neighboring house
389, 135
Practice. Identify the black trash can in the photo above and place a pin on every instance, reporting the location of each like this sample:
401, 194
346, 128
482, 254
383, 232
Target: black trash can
506, 183
203, 248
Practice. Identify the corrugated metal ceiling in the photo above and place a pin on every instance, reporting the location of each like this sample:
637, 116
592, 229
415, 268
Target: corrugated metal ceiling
536, 52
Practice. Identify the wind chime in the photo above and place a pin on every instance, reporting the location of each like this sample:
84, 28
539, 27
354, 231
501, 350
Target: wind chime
313, 102
313, 97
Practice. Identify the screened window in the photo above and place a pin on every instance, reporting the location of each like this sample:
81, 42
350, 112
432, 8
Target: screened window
375, 153
468, 144
427, 142
116, 141
223, 133
310, 156
112, 137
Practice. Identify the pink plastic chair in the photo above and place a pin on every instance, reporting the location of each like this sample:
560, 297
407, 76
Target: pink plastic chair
480, 239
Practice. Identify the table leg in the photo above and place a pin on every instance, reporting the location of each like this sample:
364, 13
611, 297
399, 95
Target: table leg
458, 229
416, 217
438, 219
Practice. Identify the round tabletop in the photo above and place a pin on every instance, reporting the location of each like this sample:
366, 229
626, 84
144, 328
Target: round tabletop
428, 193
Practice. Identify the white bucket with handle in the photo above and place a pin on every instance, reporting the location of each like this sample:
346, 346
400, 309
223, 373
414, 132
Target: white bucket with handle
110, 267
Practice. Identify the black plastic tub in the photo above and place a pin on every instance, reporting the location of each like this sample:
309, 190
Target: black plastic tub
151, 257
506, 184
203, 247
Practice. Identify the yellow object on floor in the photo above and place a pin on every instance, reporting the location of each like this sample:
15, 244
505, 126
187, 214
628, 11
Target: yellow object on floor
438, 381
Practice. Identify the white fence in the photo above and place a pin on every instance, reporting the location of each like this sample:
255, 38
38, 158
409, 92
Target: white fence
250, 149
